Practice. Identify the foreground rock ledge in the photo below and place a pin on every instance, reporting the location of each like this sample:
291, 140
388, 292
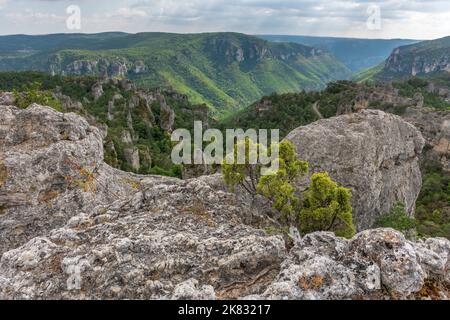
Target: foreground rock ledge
124, 236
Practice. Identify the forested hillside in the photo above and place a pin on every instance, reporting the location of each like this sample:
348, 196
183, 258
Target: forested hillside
224, 70
136, 122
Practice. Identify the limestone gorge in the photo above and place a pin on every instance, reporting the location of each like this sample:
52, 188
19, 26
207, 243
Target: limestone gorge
72, 227
93, 207
223, 70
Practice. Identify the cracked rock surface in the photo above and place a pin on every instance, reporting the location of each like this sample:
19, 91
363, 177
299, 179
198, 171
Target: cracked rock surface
71, 227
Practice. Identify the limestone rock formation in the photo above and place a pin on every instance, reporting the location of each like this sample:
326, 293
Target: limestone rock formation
97, 91
380, 96
435, 128
373, 153
50, 159
7, 98
132, 157
433, 124
419, 59
322, 266
167, 117
71, 227
105, 67
115, 234
145, 248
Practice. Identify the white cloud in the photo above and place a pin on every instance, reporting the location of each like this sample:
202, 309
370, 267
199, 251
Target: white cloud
3, 3
419, 19
130, 13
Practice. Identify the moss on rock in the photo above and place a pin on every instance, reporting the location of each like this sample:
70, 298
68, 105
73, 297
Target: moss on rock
3, 173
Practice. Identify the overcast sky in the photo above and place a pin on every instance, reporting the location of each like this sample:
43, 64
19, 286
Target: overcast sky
416, 19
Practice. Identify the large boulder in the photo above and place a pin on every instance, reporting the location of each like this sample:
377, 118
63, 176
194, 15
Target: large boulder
51, 169
373, 153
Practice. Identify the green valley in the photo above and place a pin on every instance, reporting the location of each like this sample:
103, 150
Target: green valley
136, 122
356, 54
226, 71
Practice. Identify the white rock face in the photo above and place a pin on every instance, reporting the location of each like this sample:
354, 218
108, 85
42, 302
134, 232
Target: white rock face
73, 228
322, 266
435, 127
189, 290
115, 234
97, 91
373, 153
7, 98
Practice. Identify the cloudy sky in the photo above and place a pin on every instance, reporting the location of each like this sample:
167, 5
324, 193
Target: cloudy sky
416, 19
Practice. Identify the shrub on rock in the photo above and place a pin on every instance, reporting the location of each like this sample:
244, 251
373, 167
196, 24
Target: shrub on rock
397, 219
326, 207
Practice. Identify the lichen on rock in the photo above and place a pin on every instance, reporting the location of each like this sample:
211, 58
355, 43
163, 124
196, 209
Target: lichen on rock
151, 237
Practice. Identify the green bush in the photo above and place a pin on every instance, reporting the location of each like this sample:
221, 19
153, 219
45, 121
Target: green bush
244, 175
174, 172
33, 94
249, 176
433, 204
416, 82
279, 187
397, 219
326, 207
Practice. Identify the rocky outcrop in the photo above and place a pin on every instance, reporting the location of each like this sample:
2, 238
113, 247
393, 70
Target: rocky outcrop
400, 63
435, 128
167, 116
97, 91
380, 96
139, 67
74, 228
101, 66
7, 98
423, 58
50, 159
138, 236
373, 153
234, 48
132, 157
118, 108
146, 248
432, 123
322, 266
